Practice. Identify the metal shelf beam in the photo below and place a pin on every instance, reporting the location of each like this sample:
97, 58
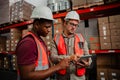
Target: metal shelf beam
16, 25
104, 51
93, 9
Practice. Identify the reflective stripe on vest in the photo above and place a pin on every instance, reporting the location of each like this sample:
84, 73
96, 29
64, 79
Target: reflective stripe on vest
42, 60
62, 50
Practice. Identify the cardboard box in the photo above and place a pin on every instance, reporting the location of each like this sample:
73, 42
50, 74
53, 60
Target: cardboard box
8, 45
114, 61
115, 32
114, 74
94, 46
115, 25
14, 62
115, 39
21, 10
103, 20
105, 45
104, 26
105, 39
2, 43
102, 74
3, 39
15, 30
78, 3
4, 11
118, 62
104, 33
2, 47
114, 18
103, 60
116, 45
15, 33
94, 40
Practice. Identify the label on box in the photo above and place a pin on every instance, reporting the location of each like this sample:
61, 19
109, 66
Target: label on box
102, 78
102, 73
113, 74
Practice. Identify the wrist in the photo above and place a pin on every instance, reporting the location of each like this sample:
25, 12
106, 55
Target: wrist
57, 67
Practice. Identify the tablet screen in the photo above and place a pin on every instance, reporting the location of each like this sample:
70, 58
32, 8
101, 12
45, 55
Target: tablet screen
85, 57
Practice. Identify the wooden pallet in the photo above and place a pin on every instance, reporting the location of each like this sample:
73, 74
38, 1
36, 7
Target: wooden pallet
95, 4
87, 5
79, 7
67, 10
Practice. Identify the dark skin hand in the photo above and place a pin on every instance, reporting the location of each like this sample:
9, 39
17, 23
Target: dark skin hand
28, 72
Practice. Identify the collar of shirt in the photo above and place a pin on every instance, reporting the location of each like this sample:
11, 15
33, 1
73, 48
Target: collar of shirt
64, 36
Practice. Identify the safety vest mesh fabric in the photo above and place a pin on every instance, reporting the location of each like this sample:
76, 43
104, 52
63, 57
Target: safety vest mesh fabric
42, 60
59, 40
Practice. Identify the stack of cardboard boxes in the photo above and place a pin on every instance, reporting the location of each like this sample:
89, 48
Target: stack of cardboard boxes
78, 3
11, 11
109, 30
4, 11
15, 36
21, 10
58, 5
14, 62
104, 33
8, 62
85, 3
115, 31
108, 67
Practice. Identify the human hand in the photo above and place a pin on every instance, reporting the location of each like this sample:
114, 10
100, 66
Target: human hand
64, 63
74, 57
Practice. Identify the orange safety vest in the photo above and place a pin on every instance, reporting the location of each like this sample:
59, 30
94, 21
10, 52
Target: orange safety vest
59, 40
42, 60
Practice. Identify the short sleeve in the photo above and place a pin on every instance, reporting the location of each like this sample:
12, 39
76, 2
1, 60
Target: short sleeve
26, 51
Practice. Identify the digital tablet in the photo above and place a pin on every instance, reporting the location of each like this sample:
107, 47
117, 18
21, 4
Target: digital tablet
85, 57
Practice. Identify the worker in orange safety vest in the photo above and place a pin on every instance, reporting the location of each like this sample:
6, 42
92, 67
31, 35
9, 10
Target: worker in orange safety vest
67, 44
32, 53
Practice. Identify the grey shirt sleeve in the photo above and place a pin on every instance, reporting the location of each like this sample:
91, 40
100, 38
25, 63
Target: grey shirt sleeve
55, 57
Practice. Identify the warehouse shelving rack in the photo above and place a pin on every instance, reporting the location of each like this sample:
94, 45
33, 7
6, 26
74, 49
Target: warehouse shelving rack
87, 13
99, 9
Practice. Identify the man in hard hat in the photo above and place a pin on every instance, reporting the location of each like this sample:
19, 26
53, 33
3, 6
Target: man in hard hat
32, 54
67, 44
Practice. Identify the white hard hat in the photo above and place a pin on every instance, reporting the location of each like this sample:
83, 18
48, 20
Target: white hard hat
72, 15
42, 12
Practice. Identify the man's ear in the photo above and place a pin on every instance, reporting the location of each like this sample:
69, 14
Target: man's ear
64, 23
36, 24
